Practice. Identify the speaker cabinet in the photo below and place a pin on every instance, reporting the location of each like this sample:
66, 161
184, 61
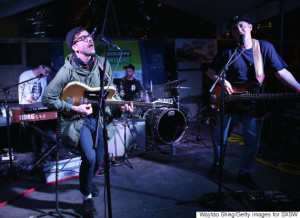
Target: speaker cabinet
190, 94
134, 133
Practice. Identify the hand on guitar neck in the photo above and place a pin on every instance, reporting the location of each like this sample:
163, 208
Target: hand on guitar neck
127, 107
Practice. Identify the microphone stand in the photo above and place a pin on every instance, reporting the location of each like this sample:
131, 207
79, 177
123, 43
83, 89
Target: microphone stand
6, 92
102, 108
222, 76
208, 199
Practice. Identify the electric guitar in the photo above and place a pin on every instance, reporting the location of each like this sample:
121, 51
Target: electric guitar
78, 93
242, 94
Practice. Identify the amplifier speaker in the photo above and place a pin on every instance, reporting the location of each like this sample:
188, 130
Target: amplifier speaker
135, 136
190, 99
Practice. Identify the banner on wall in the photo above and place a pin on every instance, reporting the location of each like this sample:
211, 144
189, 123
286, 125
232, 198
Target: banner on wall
152, 52
202, 50
130, 55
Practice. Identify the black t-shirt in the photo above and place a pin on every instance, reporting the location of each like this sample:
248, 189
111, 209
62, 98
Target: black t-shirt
242, 72
131, 87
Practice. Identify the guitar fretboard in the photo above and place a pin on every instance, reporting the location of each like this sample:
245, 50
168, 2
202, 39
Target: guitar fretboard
266, 96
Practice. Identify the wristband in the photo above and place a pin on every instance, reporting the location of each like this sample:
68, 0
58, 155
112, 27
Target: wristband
298, 90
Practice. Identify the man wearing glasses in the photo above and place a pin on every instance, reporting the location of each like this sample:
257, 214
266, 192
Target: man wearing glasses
31, 92
83, 66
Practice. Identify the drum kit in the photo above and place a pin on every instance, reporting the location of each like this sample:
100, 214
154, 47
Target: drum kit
167, 123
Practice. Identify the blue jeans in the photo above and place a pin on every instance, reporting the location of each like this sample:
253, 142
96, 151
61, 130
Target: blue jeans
252, 127
90, 157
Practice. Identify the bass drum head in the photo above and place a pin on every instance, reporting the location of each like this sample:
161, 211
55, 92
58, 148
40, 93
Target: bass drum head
168, 124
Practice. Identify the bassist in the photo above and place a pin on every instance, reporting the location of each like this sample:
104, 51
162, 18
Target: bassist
247, 67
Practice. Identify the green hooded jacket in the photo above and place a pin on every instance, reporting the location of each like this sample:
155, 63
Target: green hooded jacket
69, 72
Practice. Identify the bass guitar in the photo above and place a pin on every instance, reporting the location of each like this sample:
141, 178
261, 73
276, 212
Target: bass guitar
241, 94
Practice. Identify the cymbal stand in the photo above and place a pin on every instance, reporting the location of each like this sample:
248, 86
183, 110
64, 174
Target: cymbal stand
126, 152
199, 139
175, 96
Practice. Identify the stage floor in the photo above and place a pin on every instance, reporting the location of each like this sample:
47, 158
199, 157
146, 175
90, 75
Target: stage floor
162, 183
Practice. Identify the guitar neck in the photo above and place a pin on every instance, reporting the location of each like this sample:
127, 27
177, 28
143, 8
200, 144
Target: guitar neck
242, 93
266, 96
136, 104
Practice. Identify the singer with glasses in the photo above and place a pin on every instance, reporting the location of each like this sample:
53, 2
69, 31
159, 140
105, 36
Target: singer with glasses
78, 128
31, 92
246, 72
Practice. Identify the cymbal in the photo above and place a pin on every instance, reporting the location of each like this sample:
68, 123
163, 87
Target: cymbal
171, 84
175, 82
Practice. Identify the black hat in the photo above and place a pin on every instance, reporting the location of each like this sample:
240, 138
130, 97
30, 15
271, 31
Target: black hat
70, 36
129, 66
236, 19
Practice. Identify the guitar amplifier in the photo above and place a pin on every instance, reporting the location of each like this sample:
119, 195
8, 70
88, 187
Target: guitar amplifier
134, 133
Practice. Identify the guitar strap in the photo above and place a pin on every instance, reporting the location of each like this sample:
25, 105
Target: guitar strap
101, 67
258, 61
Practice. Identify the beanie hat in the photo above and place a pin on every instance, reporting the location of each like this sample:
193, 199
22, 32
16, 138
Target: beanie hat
70, 36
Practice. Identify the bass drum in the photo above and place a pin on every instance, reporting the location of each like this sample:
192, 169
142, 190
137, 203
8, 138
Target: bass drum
167, 124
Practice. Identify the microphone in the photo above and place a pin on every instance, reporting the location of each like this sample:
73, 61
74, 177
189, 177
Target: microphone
93, 33
109, 43
242, 40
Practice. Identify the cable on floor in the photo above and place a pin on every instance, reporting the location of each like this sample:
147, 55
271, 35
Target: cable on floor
280, 166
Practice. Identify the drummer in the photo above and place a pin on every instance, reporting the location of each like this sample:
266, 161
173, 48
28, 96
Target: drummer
129, 87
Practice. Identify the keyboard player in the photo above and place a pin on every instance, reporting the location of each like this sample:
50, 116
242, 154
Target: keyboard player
31, 92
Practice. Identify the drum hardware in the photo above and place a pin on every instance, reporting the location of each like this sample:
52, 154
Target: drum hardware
172, 91
172, 148
175, 95
122, 92
167, 100
200, 119
133, 149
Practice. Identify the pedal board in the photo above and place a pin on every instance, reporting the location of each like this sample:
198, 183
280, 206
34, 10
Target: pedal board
269, 200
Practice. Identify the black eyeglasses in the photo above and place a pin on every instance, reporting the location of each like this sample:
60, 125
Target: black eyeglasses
82, 38
47, 71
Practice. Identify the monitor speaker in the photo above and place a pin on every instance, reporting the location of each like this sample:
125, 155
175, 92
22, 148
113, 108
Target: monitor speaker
135, 137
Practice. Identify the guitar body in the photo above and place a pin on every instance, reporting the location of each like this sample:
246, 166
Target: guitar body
216, 95
75, 91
